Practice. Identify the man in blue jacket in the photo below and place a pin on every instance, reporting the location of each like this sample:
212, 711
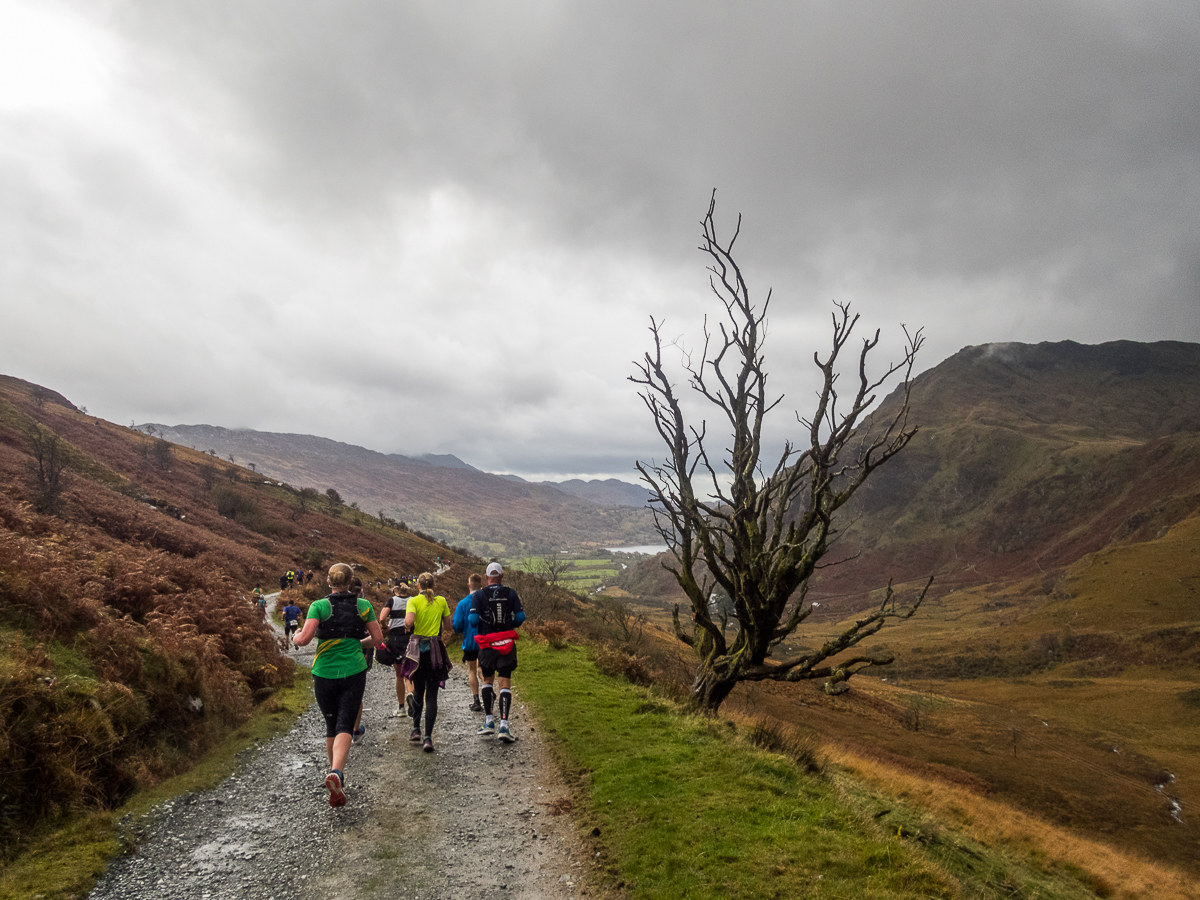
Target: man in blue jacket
462, 613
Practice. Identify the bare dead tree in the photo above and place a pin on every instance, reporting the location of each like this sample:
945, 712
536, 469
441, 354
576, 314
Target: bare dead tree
162, 451
759, 535
537, 597
627, 624
46, 468
552, 568
208, 475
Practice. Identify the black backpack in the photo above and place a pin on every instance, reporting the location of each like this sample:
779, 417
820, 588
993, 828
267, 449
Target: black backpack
345, 622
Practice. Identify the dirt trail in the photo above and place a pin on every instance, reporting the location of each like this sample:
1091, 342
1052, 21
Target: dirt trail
474, 819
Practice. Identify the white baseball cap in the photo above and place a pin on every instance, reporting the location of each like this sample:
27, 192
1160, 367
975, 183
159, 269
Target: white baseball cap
494, 569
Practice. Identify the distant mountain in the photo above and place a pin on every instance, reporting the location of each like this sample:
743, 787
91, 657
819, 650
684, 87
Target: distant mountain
489, 514
1028, 457
608, 492
445, 460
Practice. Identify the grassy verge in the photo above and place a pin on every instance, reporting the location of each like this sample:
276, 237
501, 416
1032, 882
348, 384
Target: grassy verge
684, 809
682, 806
63, 860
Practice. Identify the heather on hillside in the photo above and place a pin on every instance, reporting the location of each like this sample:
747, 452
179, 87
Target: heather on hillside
128, 643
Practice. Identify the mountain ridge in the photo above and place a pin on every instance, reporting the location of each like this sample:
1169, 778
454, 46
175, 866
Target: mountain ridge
1027, 457
490, 514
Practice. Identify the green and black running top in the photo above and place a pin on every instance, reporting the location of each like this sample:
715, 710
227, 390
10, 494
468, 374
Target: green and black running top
343, 619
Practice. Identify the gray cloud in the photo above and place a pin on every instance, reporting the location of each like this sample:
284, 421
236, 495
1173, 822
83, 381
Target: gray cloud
412, 216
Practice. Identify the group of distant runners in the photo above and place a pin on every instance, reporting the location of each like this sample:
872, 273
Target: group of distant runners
415, 618
294, 578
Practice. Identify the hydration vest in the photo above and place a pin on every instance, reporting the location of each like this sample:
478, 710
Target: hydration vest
345, 621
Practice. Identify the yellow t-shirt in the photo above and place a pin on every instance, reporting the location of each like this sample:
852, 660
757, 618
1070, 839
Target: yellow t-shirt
429, 614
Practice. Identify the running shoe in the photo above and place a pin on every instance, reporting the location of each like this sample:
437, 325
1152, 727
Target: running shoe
397, 712
415, 735
476, 706
504, 734
333, 783
357, 735
487, 729
428, 745
409, 704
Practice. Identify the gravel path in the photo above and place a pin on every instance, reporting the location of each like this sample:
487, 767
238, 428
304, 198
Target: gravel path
475, 819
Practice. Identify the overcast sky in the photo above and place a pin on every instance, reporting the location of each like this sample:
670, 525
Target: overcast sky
443, 226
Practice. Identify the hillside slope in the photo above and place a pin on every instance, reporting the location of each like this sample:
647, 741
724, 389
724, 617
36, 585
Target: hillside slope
1055, 492
489, 514
1028, 458
128, 643
607, 492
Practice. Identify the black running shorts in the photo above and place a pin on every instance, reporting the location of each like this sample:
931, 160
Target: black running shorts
492, 661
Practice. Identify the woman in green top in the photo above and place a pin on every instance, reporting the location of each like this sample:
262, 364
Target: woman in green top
344, 624
424, 617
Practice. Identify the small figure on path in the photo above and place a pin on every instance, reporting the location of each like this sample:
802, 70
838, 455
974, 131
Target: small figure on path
470, 649
343, 624
426, 615
496, 611
291, 619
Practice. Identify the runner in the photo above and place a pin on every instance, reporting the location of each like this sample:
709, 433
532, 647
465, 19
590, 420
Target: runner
343, 625
470, 649
397, 644
496, 611
291, 619
426, 616
360, 730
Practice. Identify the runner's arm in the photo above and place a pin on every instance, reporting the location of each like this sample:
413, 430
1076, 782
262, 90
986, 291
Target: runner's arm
374, 636
307, 632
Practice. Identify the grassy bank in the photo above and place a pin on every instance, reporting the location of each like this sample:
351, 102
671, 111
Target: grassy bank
682, 806
64, 859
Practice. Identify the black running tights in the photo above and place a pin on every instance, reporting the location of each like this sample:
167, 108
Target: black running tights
425, 695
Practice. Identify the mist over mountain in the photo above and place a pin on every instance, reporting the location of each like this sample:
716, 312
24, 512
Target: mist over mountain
437, 494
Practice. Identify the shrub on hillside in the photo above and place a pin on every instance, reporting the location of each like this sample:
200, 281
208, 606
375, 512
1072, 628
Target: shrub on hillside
618, 664
233, 504
121, 664
129, 645
803, 750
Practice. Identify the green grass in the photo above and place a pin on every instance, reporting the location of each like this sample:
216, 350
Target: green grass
64, 859
580, 575
685, 809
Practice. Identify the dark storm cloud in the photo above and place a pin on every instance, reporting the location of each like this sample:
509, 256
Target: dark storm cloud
977, 138
405, 183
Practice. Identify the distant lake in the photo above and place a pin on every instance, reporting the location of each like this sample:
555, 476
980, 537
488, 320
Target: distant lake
648, 549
